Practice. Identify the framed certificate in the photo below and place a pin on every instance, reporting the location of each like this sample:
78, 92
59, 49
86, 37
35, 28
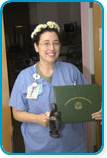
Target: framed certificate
77, 103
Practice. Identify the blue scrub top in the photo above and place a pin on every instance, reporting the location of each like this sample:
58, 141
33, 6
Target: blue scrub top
36, 137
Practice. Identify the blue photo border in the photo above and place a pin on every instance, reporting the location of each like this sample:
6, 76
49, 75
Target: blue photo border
52, 153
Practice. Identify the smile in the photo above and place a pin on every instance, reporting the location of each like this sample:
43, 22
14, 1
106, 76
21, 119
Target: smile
51, 54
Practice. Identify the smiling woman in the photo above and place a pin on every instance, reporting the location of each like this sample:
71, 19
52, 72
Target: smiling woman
32, 96
48, 47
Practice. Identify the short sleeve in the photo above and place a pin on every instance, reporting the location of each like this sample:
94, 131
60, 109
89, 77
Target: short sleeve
79, 77
18, 94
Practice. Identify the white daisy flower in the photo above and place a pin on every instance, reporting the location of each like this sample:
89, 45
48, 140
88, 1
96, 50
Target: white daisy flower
40, 27
52, 24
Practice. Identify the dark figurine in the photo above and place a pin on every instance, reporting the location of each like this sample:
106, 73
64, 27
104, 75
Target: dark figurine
55, 122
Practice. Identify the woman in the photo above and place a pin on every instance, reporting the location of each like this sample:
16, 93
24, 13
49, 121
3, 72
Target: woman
32, 96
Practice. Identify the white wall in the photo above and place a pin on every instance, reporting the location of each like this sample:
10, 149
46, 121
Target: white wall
87, 40
88, 60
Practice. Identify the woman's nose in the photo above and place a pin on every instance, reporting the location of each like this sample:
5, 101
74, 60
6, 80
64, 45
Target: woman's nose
51, 46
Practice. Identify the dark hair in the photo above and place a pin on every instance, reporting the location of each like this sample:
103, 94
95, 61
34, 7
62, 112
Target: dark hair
36, 37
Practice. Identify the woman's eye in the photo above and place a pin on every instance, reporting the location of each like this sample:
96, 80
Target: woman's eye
46, 44
56, 44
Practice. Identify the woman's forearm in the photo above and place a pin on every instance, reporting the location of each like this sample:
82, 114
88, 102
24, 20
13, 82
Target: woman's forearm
22, 116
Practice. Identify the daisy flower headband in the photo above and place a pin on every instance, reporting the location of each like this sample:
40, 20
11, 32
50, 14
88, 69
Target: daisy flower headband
40, 27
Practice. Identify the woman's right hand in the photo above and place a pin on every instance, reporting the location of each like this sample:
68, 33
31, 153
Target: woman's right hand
22, 116
43, 119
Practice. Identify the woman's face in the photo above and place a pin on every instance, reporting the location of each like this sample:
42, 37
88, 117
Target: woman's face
48, 47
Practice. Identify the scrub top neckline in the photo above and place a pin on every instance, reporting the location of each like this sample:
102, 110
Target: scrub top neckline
49, 79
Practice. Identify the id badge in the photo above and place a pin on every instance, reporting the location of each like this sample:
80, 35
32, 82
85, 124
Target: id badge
33, 91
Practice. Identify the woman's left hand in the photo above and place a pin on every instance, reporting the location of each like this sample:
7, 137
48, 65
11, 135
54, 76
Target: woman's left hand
97, 115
